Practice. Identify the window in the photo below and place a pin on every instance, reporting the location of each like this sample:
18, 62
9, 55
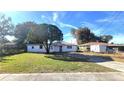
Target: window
69, 47
41, 46
32, 47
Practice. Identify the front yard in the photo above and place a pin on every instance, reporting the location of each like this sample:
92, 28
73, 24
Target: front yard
43, 63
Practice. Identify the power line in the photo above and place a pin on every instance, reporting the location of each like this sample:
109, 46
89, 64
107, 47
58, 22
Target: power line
114, 16
102, 25
119, 23
113, 19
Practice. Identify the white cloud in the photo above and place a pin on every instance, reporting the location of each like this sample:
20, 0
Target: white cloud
55, 16
109, 18
69, 38
118, 38
54, 19
68, 35
62, 25
112, 17
105, 20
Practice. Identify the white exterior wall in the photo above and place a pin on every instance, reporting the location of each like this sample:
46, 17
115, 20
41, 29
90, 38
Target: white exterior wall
53, 49
65, 49
94, 48
35, 49
98, 48
103, 48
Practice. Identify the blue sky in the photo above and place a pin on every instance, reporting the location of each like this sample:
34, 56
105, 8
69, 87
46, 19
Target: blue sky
100, 23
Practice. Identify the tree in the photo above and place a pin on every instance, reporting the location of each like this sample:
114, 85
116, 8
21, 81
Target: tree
6, 28
106, 38
21, 32
83, 35
4, 41
45, 34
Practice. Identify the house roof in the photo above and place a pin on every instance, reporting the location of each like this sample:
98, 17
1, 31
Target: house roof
94, 43
101, 43
58, 43
116, 45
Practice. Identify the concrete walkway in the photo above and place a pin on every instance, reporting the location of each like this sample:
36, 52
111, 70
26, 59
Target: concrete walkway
84, 76
114, 65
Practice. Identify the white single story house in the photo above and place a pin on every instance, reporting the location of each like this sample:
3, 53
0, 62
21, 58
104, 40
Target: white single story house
100, 47
55, 47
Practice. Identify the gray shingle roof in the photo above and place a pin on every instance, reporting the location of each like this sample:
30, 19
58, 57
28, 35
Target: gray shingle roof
101, 43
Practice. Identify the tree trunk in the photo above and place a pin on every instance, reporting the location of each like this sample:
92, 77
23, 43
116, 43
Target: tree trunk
47, 47
47, 50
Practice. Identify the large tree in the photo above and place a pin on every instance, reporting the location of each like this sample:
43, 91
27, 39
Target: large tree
83, 35
45, 34
6, 28
21, 32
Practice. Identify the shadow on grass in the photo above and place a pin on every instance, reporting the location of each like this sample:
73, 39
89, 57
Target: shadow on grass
76, 57
66, 57
10, 54
5, 60
98, 59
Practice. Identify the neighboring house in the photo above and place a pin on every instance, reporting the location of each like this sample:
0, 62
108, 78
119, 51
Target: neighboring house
10, 45
55, 47
101, 47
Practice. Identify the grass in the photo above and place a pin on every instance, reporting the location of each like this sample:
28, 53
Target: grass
43, 63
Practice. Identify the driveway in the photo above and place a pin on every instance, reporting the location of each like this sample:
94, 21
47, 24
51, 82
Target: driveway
113, 64
84, 76
107, 63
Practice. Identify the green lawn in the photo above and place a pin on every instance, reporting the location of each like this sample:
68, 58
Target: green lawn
43, 63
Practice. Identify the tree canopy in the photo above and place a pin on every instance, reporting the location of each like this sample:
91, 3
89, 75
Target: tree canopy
45, 34
84, 35
6, 28
106, 38
21, 31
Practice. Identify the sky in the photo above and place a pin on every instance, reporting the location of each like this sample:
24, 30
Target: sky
99, 22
